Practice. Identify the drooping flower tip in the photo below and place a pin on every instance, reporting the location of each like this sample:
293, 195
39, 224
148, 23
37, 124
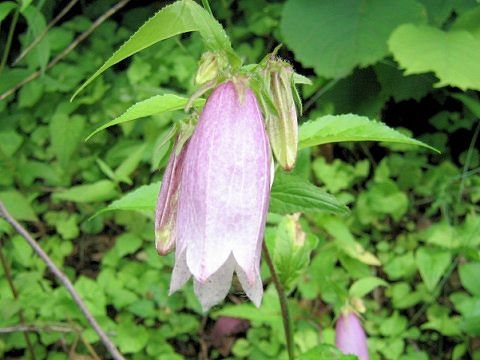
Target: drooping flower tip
350, 337
223, 198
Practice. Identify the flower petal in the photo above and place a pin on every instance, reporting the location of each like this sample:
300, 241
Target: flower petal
180, 274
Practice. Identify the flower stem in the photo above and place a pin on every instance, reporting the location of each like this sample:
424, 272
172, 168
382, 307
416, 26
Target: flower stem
287, 325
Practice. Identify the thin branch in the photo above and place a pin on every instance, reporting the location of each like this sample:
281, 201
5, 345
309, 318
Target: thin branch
65, 280
44, 32
8, 275
65, 52
13, 24
283, 302
49, 329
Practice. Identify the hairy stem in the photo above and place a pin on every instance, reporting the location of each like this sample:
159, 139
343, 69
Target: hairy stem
65, 280
287, 326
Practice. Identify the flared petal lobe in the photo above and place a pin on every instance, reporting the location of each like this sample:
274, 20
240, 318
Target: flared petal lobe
350, 337
224, 195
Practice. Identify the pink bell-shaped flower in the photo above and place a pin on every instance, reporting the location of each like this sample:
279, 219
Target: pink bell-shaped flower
223, 197
350, 337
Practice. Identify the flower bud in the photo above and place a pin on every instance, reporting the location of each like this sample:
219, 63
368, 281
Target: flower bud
167, 204
282, 127
210, 66
350, 337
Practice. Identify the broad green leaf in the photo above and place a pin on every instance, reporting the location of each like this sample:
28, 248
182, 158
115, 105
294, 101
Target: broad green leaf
362, 287
66, 134
349, 127
453, 56
432, 264
471, 325
334, 36
292, 194
325, 352
290, 249
178, 18
10, 141
17, 205
5, 9
102, 190
469, 277
40, 54
469, 21
155, 105
144, 198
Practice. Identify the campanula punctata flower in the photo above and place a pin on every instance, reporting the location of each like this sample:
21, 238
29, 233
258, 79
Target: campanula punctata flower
350, 337
223, 197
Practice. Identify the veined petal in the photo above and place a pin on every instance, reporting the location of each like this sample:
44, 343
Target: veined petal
180, 274
225, 185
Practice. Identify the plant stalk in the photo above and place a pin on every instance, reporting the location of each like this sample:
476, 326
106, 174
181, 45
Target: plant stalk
13, 24
287, 325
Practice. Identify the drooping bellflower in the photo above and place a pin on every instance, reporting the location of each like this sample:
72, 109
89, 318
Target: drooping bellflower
223, 197
350, 337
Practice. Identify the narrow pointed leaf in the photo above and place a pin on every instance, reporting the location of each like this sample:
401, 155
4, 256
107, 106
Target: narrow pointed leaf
349, 127
155, 105
178, 18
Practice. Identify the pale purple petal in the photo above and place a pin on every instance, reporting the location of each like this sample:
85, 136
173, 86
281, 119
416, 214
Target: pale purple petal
180, 274
350, 337
215, 288
253, 290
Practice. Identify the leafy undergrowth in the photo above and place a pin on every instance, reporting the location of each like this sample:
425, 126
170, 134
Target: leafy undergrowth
408, 252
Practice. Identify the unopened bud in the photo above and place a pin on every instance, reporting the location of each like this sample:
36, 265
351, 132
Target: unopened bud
282, 127
210, 66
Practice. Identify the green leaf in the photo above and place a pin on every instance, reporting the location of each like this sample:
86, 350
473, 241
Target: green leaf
349, 127
5, 9
362, 287
100, 191
128, 166
292, 194
66, 134
10, 141
469, 21
334, 36
17, 205
453, 56
432, 264
471, 325
143, 198
178, 18
325, 352
290, 249
155, 105
469, 277
472, 104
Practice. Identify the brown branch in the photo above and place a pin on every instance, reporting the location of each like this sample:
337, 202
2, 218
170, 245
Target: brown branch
65, 280
65, 52
8, 275
44, 32
22, 328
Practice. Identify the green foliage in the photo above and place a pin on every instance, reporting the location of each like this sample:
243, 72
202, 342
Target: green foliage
405, 248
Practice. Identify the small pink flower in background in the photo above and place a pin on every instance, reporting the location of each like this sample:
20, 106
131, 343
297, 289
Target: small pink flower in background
350, 337
223, 198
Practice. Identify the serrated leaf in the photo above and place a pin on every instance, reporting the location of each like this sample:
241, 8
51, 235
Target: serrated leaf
100, 191
432, 264
363, 286
349, 127
291, 194
143, 198
178, 18
453, 56
334, 36
155, 105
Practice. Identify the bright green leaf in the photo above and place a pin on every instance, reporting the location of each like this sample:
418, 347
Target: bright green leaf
453, 56
432, 264
5, 9
180, 17
66, 134
362, 287
349, 127
155, 105
292, 194
334, 36
100, 191
17, 205
469, 276
10, 141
